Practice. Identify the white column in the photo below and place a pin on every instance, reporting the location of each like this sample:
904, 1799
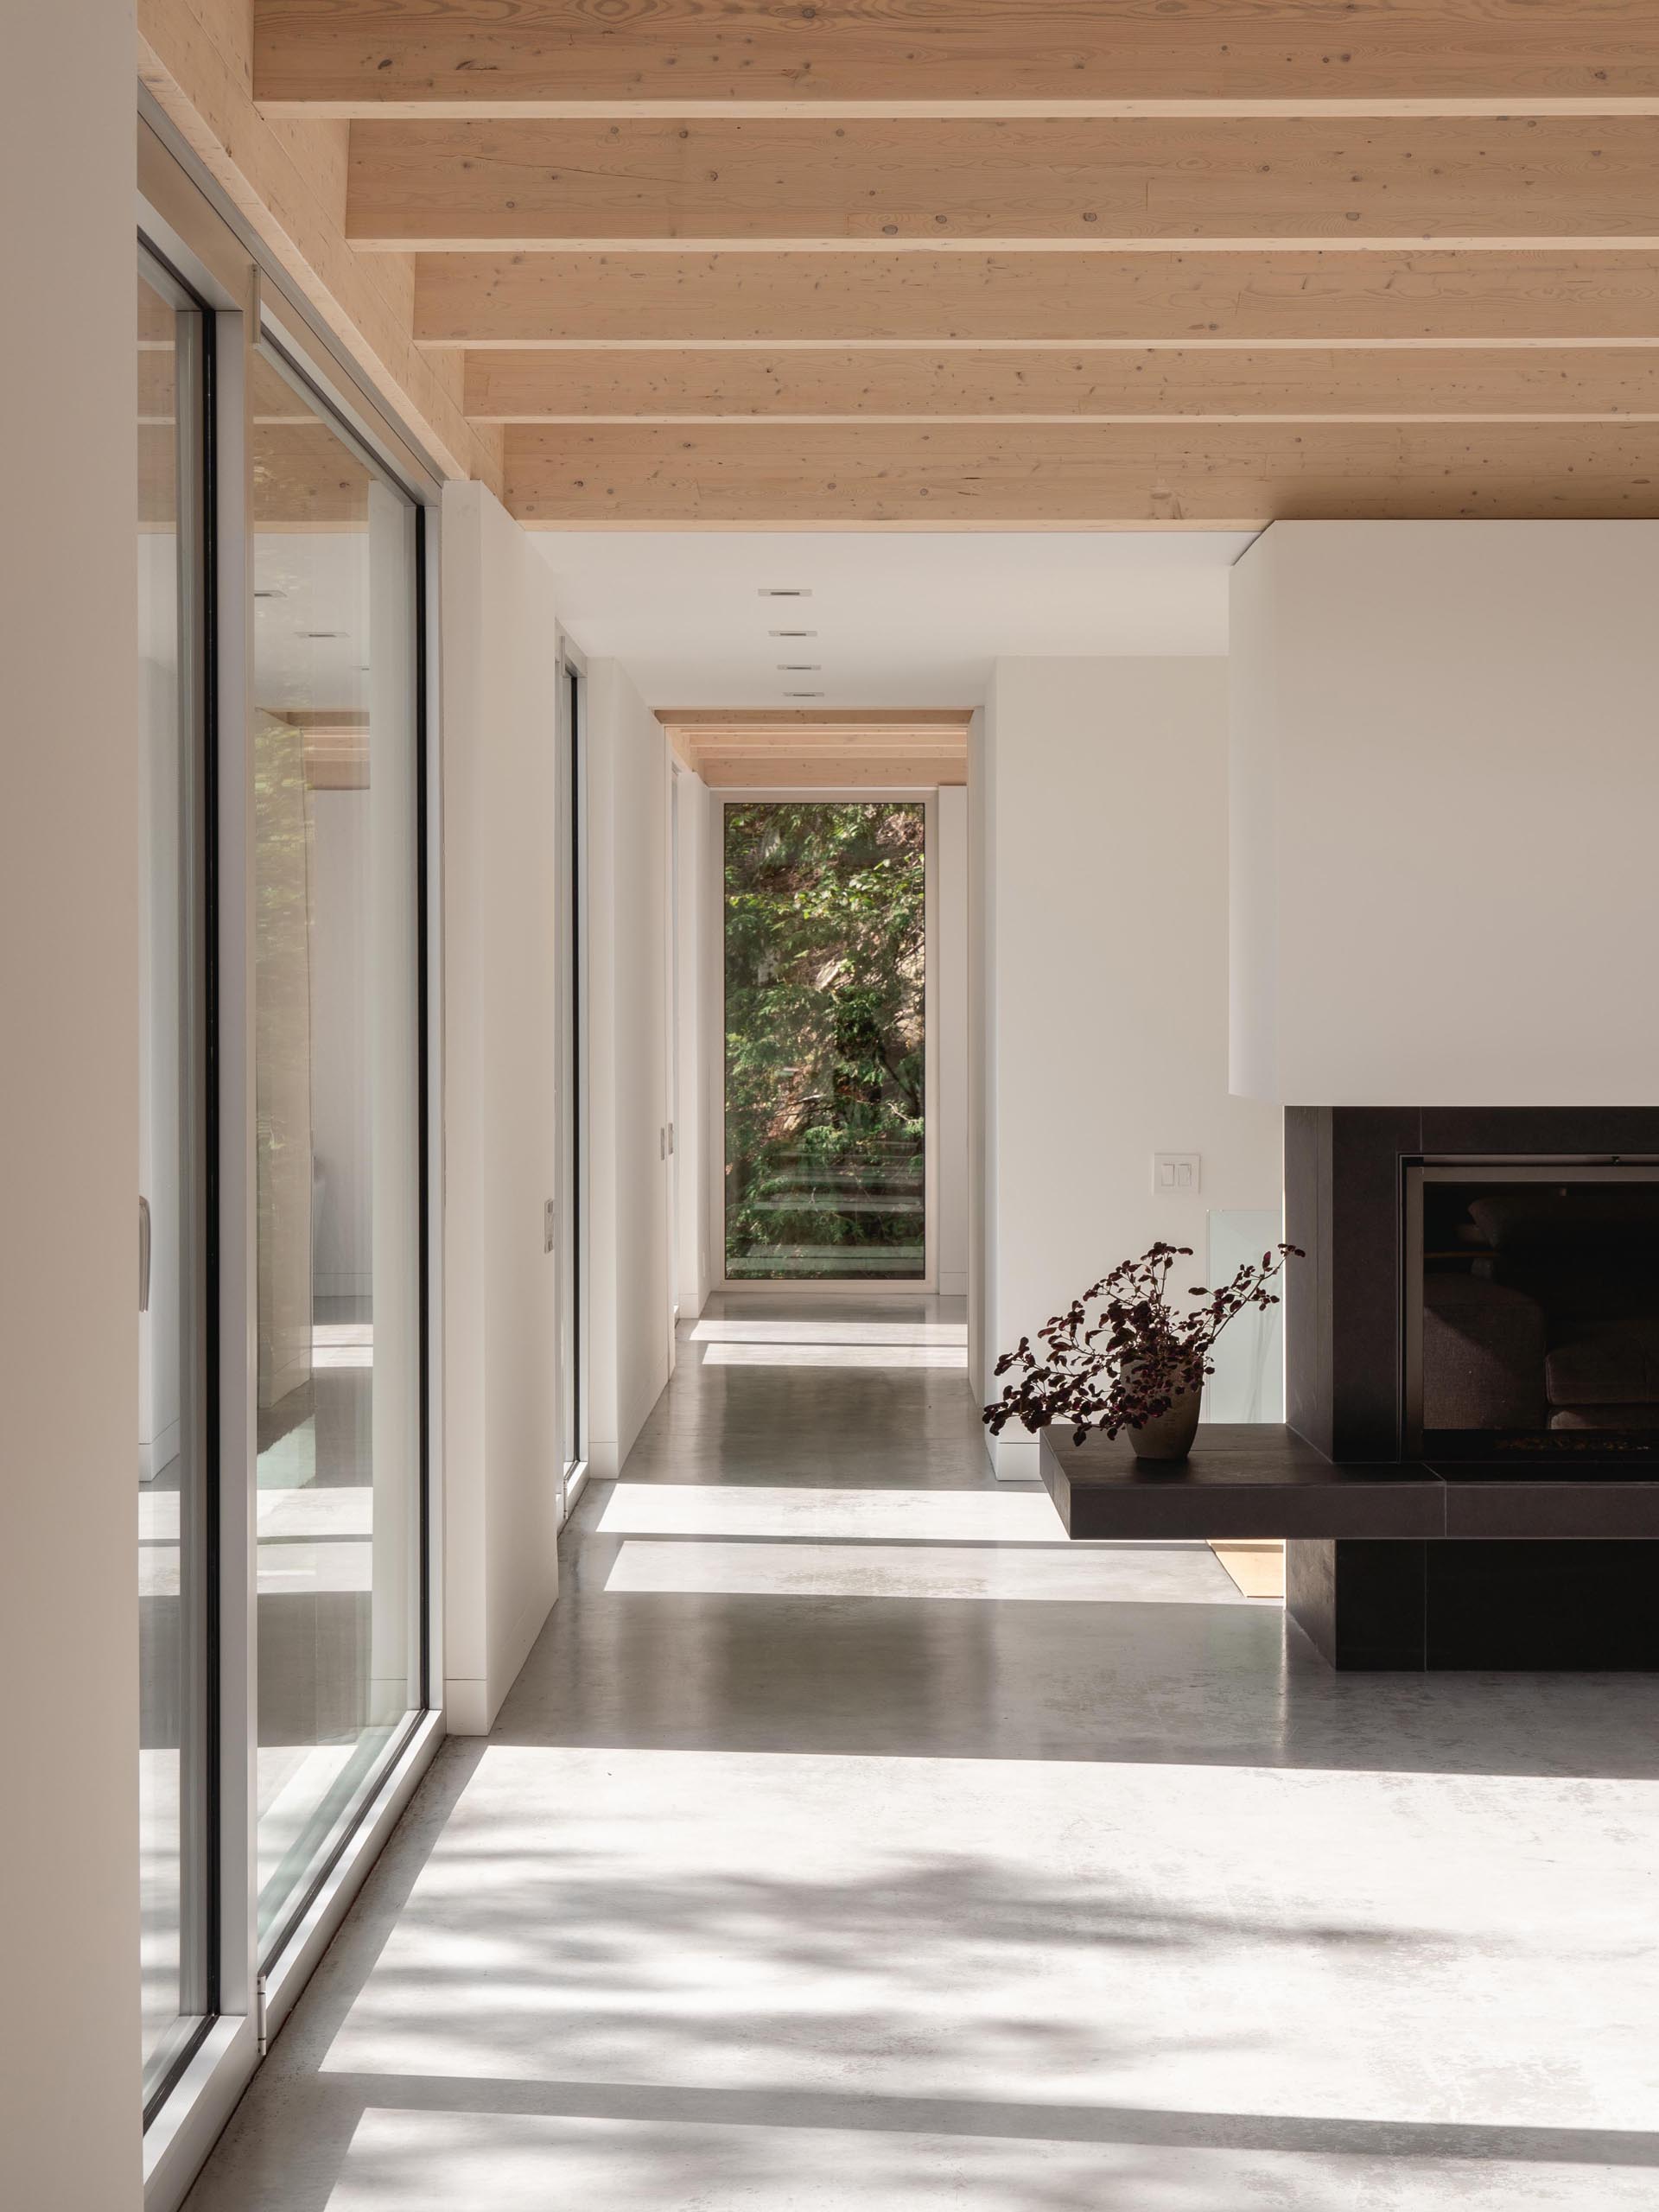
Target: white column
69, 2047
1103, 898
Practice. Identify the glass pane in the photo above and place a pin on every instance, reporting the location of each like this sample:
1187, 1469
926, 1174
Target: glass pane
172, 1569
337, 1091
1248, 1383
825, 1065
1538, 1315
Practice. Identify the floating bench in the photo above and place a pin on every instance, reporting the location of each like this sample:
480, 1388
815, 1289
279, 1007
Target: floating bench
1402, 1564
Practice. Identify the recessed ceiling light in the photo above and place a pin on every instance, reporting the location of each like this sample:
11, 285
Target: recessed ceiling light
271, 592
800, 667
792, 633
802, 694
785, 591
322, 634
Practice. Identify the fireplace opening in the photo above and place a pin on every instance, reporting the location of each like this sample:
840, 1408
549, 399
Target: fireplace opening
1532, 1307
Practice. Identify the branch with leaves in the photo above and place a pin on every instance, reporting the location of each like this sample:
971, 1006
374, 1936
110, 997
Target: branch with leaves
1123, 1354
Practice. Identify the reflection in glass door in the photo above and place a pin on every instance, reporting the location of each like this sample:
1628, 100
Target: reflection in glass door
568, 1210
338, 1153
173, 1470
826, 966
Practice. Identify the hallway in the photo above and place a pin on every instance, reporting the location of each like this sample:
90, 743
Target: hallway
851, 1842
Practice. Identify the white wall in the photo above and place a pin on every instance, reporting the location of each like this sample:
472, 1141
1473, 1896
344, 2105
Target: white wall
1446, 778
948, 931
501, 1466
1099, 791
69, 2056
630, 1283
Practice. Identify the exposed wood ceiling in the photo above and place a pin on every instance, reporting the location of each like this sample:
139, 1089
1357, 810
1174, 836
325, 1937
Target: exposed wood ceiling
903, 749
1056, 264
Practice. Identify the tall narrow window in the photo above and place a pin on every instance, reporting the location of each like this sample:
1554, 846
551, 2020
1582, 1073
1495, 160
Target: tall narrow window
825, 1059
175, 1887
337, 1085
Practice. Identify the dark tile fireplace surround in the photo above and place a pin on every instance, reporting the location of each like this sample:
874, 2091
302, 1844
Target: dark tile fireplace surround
1468, 1476
1480, 1301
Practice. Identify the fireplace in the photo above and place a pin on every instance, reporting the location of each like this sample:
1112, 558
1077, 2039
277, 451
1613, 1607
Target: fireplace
1531, 1320
1480, 1303
1480, 1282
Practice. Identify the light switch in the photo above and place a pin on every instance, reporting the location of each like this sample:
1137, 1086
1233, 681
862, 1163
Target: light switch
1176, 1174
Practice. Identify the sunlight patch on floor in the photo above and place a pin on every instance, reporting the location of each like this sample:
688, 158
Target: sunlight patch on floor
951, 1517
425, 2161
1119, 1958
1057, 1575
835, 1355
822, 1332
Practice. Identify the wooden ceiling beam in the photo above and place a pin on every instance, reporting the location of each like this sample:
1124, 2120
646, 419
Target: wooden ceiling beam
1102, 384
746, 726
1061, 300
1503, 182
790, 771
564, 57
289, 181
800, 748
945, 476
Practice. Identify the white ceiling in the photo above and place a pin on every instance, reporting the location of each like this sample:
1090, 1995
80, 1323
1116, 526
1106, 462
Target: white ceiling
905, 619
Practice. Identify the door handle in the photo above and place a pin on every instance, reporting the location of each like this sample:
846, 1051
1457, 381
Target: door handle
143, 1256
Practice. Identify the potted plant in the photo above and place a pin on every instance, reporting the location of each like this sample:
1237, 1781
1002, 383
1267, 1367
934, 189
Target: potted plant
1122, 1359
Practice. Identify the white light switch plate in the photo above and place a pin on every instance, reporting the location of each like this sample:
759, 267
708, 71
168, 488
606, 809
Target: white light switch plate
1176, 1174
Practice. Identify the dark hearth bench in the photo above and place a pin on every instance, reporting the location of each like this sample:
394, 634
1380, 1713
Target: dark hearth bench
1402, 1564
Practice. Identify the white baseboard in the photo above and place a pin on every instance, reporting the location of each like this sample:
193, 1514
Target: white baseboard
1015, 1458
466, 1706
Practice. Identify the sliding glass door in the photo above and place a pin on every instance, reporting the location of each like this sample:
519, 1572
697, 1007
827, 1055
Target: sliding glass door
337, 1077
174, 1462
824, 912
281, 1229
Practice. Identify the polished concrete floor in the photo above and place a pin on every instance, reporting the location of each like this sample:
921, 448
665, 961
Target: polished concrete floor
850, 1844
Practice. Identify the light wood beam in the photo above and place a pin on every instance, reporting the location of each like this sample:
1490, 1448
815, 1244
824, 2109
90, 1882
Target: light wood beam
1497, 181
945, 476
1062, 299
777, 722
559, 57
830, 771
863, 748
193, 55
1078, 385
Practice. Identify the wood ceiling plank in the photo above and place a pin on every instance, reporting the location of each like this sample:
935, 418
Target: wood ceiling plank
1108, 384
1502, 181
794, 721
789, 771
810, 747
946, 476
1036, 299
553, 57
